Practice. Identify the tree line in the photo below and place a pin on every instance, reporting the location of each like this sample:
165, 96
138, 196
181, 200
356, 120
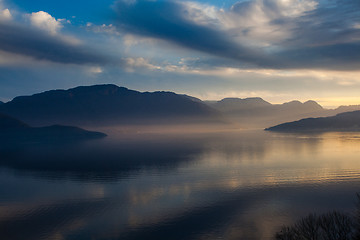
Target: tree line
333, 225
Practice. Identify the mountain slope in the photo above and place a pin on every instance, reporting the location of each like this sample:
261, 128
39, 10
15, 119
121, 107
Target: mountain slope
348, 121
7, 122
106, 104
13, 130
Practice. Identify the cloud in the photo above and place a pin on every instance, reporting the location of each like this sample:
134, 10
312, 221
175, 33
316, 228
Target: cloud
45, 21
36, 36
5, 15
136, 63
166, 20
40, 45
104, 28
94, 70
262, 33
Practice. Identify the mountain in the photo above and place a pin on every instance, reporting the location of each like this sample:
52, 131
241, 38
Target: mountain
107, 105
297, 110
350, 108
7, 122
256, 112
308, 106
1, 102
348, 121
13, 130
238, 104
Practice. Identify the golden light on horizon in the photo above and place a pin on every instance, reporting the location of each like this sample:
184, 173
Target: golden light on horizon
338, 101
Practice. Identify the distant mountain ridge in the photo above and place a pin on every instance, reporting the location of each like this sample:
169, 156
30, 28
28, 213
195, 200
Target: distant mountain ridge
350, 108
256, 112
348, 121
239, 104
106, 104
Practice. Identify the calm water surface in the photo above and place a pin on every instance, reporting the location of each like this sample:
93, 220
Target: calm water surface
240, 185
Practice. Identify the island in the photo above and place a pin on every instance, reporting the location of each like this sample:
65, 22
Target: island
348, 121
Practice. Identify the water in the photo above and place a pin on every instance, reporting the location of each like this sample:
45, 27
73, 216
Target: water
219, 185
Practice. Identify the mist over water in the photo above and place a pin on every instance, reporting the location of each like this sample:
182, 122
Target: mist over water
169, 183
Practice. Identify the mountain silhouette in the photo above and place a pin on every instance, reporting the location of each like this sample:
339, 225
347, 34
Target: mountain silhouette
256, 112
13, 130
348, 121
1, 102
107, 105
7, 122
350, 108
238, 104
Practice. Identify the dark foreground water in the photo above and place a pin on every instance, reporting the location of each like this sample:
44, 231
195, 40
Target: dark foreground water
242, 185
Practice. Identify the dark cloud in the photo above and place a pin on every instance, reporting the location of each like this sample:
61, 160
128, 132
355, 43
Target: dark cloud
18, 39
328, 24
338, 56
323, 38
167, 20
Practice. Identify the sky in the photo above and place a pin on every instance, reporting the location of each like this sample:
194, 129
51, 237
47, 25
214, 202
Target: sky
280, 50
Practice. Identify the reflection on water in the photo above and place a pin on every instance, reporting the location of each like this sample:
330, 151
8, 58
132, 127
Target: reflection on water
240, 185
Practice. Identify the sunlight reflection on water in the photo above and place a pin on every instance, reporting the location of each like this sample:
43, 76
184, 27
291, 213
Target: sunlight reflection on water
240, 185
